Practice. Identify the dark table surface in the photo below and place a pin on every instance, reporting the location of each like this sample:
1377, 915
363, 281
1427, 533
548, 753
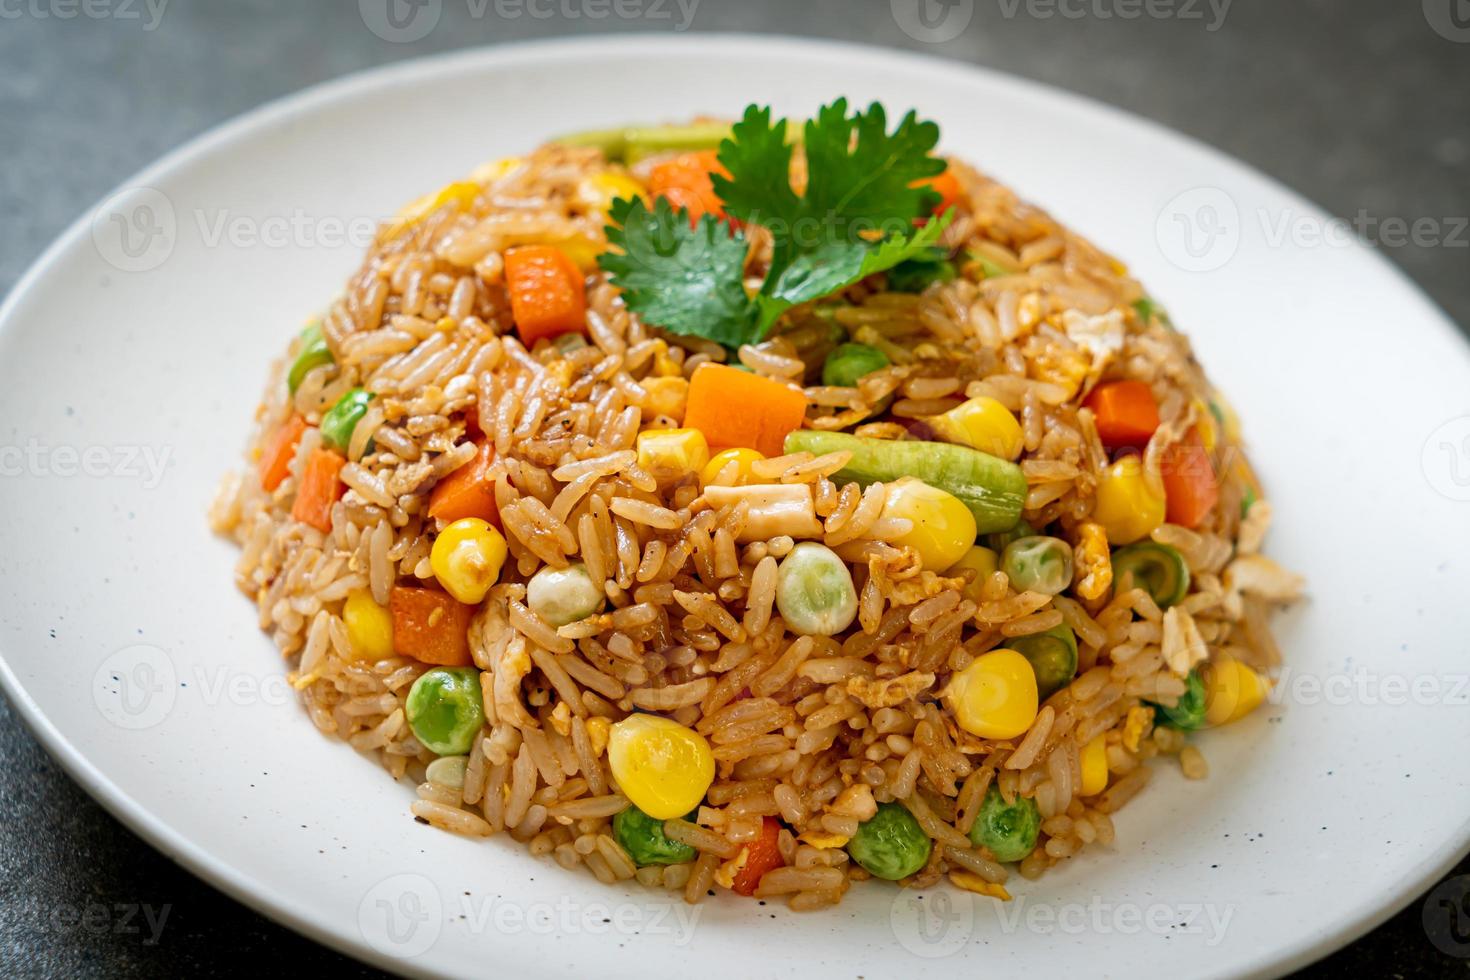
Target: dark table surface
1362, 105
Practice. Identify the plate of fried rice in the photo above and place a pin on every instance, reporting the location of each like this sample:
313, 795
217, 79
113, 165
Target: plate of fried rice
828, 516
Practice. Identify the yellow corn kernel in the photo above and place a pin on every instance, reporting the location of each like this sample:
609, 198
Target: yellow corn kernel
461, 194
1125, 506
1094, 767
659, 764
1094, 559
739, 476
601, 189
666, 396
984, 424
994, 697
495, 169
668, 454
1232, 690
982, 561
466, 559
369, 627
943, 527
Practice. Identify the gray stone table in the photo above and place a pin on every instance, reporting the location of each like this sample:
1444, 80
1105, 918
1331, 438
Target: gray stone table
1362, 105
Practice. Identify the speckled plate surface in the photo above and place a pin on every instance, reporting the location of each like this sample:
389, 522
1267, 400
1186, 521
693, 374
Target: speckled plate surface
132, 353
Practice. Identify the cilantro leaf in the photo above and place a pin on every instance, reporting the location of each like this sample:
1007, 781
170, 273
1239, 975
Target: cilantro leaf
837, 265
856, 217
689, 280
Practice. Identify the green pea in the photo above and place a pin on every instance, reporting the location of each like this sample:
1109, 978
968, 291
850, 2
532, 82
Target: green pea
342, 418
1007, 830
846, 365
644, 839
891, 845
313, 353
563, 595
1188, 713
446, 709
920, 272
1157, 569
1052, 655
1038, 564
814, 591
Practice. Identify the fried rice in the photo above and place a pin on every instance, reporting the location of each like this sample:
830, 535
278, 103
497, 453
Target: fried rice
814, 731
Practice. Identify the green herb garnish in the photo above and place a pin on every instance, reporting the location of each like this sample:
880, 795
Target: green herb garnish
856, 217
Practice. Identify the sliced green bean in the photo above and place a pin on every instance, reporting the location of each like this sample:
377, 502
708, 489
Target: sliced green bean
1157, 569
993, 489
1052, 655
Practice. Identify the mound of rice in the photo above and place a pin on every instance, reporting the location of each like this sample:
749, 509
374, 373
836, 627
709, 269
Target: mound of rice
801, 727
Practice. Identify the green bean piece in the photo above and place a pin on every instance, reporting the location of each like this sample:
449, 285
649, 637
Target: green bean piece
922, 271
891, 844
313, 353
1007, 830
849, 363
814, 591
1053, 656
342, 418
1038, 564
1188, 713
445, 709
1157, 569
994, 489
631, 144
644, 839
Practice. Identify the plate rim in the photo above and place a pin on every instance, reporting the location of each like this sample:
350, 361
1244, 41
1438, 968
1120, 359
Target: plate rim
278, 905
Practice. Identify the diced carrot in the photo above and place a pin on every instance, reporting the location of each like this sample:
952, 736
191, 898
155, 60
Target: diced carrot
951, 191
321, 487
548, 296
762, 854
685, 181
468, 491
1126, 413
430, 626
739, 410
275, 462
1190, 488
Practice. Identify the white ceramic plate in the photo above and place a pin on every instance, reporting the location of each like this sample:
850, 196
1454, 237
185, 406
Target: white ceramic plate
131, 357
